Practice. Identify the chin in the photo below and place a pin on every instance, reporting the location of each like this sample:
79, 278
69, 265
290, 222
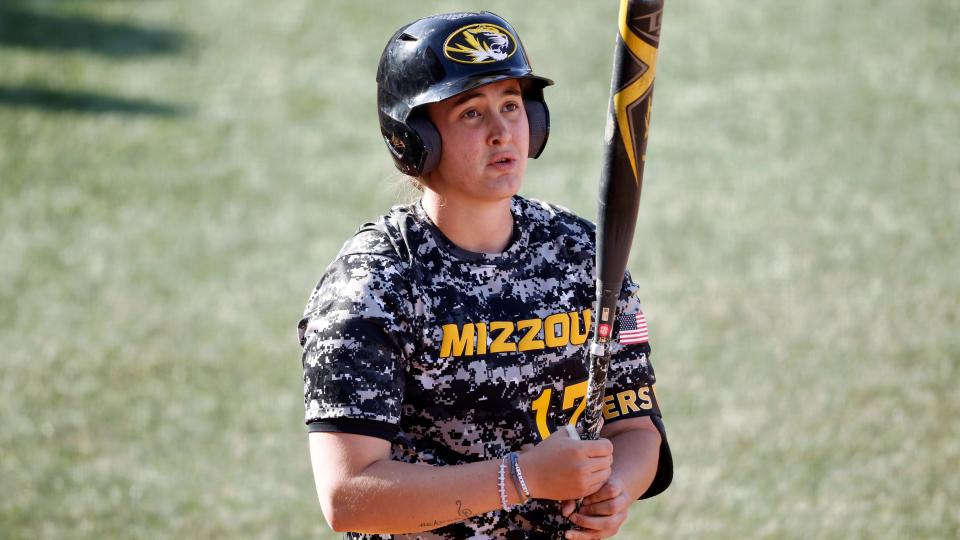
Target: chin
506, 187
492, 196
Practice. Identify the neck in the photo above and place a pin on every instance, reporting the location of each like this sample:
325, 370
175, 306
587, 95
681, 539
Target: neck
482, 227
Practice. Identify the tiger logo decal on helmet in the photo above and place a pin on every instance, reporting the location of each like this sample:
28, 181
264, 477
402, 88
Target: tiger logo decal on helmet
481, 43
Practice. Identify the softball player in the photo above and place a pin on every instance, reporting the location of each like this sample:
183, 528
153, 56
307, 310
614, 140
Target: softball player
444, 346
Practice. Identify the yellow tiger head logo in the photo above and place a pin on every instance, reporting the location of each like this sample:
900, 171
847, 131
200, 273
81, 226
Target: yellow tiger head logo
481, 43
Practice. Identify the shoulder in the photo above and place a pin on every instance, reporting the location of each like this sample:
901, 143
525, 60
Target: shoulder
369, 276
389, 239
374, 261
548, 221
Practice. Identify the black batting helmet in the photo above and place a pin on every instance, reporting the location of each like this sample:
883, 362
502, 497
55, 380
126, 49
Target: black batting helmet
438, 57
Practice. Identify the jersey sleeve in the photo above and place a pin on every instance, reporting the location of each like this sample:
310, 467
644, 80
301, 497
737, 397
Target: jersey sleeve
630, 379
356, 335
630, 389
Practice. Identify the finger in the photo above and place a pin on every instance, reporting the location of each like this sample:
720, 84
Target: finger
577, 535
594, 523
598, 479
609, 490
567, 507
588, 535
599, 463
592, 485
596, 497
599, 448
582, 535
605, 508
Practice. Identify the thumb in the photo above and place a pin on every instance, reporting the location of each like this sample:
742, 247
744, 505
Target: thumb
567, 507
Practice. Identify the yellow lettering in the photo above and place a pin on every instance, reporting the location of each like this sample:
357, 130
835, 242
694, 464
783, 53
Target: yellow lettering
500, 343
609, 409
550, 325
645, 402
559, 330
628, 401
540, 407
576, 336
457, 342
529, 341
481, 338
570, 396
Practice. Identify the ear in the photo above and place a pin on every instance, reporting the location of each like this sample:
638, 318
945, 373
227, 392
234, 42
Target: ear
538, 118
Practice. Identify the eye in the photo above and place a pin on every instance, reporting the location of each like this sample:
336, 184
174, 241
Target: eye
470, 113
511, 106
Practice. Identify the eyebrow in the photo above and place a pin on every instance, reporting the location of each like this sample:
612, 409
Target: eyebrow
470, 95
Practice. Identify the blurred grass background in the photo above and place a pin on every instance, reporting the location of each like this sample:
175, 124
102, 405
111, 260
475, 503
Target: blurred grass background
174, 177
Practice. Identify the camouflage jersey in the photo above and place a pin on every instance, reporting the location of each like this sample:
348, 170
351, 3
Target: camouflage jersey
456, 357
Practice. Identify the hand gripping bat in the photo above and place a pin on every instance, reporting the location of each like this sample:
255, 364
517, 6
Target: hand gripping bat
624, 154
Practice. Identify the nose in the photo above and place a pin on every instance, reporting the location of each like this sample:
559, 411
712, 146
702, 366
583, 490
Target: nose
499, 130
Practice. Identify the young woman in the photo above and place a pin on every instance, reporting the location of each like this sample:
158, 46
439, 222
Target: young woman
444, 346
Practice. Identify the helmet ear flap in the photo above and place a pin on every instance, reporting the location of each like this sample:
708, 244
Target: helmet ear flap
429, 137
538, 118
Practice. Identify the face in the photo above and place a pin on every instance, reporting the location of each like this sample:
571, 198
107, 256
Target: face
484, 137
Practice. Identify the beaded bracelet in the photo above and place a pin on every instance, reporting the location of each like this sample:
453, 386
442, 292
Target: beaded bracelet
501, 487
519, 476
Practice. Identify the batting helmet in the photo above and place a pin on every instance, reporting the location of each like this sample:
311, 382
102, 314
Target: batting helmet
438, 57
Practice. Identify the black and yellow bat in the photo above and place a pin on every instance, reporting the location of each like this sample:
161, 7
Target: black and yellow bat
625, 144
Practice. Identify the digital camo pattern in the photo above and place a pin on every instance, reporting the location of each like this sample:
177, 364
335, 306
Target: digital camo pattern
470, 355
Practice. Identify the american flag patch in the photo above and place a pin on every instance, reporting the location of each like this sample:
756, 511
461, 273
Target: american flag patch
633, 328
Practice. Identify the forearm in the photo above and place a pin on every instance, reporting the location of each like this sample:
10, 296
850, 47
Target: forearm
392, 497
636, 454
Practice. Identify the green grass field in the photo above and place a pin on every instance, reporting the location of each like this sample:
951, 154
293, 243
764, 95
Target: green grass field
174, 177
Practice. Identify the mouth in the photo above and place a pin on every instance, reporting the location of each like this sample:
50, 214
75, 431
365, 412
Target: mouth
503, 161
